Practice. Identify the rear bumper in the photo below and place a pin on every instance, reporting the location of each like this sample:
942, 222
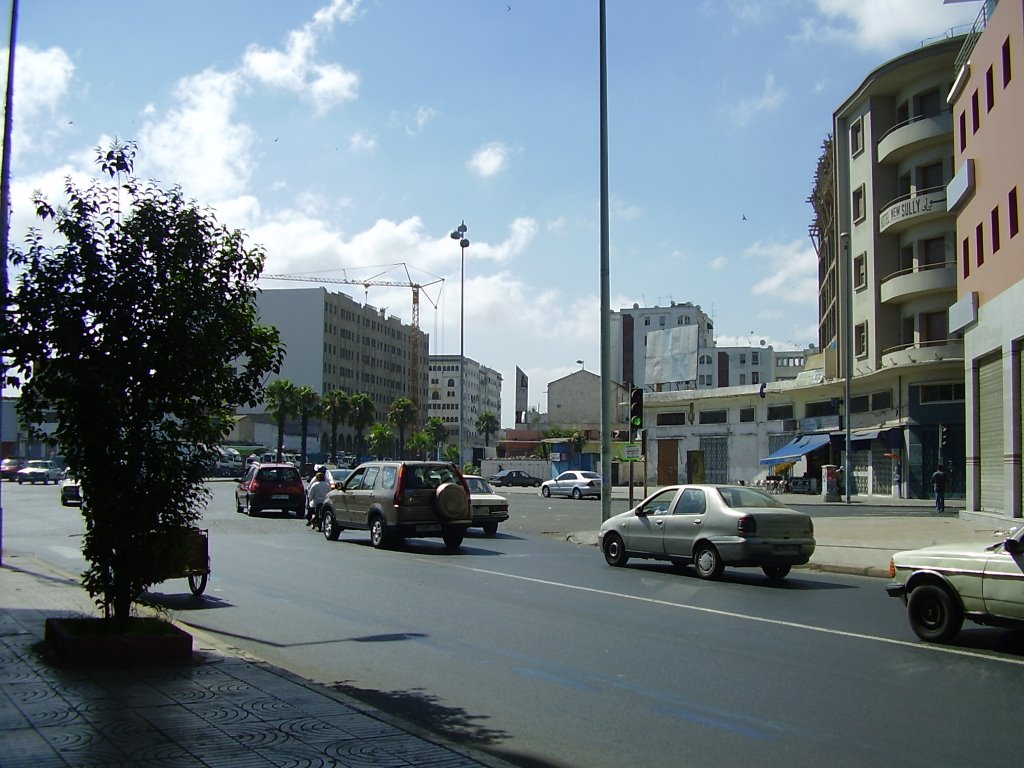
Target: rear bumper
769, 552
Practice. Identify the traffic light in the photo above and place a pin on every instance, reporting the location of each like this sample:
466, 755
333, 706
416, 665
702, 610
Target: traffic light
636, 408
943, 435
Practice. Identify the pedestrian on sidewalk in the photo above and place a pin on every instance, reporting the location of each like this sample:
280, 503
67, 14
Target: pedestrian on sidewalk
939, 486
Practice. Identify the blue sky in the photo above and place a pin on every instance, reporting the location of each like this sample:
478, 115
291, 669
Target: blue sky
356, 134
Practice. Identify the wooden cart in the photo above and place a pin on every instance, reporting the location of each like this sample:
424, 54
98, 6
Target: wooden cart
197, 560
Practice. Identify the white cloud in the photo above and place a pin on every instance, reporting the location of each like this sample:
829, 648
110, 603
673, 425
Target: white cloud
490, 159
620, 210
770, 98
882, 25
720, 263
41, 81
423, 116
361, 144
792, 271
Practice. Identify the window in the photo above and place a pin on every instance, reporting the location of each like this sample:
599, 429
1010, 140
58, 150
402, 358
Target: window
965, 256
859, 404
746, 415
671, 419
857, 137
859, 210
860, 339
963, 131
755, 377
713, 417
995, 229
661, 320
1006, 62
990, 95
743, 359
691, 502
780, 412
821, 408
933, 252
934, 326
647, 321
860, 270
754, 358
929, 176
1012, 212
743, 378
941, 393
975, 117
979, 243
881, 400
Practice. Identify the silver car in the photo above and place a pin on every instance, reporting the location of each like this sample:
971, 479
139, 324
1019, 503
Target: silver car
710, 527
576, 483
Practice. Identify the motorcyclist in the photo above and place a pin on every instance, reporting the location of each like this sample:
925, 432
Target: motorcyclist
316, 495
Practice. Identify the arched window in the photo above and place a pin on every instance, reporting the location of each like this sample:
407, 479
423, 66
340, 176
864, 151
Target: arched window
451, 382
435, 395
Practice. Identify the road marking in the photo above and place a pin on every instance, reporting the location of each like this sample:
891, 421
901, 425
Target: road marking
746, 617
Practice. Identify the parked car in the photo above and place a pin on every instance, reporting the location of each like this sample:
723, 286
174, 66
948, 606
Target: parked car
9, 468
509, 477
710, 527
942, 585
576, 483
489, 508
39, 471
70, 489
271, 486
394, 500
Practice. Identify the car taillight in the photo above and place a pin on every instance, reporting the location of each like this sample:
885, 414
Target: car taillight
892, 568
747, 525
254, 485
399, 487
591, 484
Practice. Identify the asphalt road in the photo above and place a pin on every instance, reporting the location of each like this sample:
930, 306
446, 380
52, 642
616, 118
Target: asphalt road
534, 649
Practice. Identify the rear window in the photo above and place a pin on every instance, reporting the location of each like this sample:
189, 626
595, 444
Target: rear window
429, 476
741, 498
277, 474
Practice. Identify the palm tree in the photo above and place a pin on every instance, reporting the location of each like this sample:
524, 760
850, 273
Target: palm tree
577, 440
335, 409
361, 414
438, 433
380, 440
487, 424
402, 415
419, 444
281, 403
307, 402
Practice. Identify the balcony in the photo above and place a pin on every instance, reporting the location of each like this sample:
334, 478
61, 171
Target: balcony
914, 134
917, 282
923, 352
910, 210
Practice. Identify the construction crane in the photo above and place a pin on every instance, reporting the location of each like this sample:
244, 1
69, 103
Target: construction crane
416, 335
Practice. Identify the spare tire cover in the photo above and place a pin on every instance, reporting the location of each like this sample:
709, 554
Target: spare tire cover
451, 501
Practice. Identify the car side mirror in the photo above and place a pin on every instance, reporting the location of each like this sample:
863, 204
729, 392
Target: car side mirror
1013, 546
641, 512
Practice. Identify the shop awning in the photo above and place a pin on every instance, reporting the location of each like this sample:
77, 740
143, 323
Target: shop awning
891, 436
794, 450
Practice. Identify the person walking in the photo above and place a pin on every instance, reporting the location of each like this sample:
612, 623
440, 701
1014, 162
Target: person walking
939, 486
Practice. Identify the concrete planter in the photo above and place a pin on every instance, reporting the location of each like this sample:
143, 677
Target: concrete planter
96, 642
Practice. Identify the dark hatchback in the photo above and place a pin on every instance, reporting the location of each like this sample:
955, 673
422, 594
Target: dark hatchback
508, 477
271, 486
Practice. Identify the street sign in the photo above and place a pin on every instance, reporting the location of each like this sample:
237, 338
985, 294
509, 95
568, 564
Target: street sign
632, 452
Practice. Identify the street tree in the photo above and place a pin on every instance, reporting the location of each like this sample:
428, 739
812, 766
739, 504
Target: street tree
419, 444
380, 440
137, 334
361, 414
487, 424
335, 410
307, 403
438, 433
282, 403
402, 415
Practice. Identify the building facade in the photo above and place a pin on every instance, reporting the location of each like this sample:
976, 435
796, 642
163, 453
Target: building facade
333, 342
630, 327
482, 394
988, 111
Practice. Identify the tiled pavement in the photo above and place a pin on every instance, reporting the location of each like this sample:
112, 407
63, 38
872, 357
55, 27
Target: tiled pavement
221, 710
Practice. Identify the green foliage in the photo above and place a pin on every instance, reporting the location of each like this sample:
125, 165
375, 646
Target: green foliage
380, 440
421, 445
335, 410
282, 402
361, 414
402, 415
137, 334
437, 430
452, 454
487, 424
307, 403
555, 432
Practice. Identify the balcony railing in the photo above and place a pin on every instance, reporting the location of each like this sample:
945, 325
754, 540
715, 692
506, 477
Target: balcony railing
972, 37
916, 132
923, 352
921, 280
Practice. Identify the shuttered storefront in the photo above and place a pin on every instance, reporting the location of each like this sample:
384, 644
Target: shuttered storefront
990, 432
716, 459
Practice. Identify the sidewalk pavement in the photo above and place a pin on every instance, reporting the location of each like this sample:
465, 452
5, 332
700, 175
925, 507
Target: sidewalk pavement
228, 708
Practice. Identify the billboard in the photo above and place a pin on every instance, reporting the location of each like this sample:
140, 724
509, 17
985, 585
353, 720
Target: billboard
671, 355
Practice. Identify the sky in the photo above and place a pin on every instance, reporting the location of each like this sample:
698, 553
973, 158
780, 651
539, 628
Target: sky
350, 137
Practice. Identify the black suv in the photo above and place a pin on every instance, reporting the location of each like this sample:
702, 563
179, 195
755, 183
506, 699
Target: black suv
394, 500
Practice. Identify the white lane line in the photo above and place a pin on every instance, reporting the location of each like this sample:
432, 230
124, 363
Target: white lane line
746, 617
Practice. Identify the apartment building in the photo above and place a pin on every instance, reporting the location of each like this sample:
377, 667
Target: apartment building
334, 342
987, 103
482, 394
629, 333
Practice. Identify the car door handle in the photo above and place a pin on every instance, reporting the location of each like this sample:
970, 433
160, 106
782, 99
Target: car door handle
659, 522
697, 521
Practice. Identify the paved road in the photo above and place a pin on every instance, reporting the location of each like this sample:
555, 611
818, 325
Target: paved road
535, 650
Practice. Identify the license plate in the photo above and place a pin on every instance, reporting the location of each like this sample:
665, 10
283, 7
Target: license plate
280, 497
428, 528
787, 549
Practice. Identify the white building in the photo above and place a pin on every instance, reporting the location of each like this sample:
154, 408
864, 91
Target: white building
483, 393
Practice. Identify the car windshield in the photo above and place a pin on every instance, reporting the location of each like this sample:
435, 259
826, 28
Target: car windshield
37, 463
741, 497
478, 485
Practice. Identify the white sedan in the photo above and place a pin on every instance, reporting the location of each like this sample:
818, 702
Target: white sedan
39, 471
576, 483
942, 585
489, 508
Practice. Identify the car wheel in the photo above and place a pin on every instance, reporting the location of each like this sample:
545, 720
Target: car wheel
197, 583
708, 562
614, 550
577, 494
545, 491
20, 481
536, 484
330, 528
248, 506
776, 572
490, 529
935, 616
378, 533
453, 537
238, 506
450, 501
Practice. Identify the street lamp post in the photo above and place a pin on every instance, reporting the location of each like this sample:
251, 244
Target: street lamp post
459, 233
